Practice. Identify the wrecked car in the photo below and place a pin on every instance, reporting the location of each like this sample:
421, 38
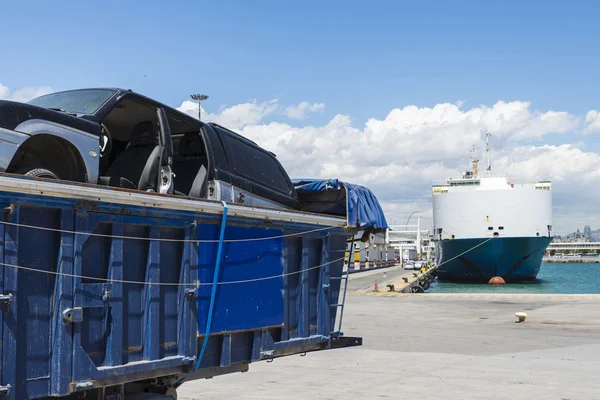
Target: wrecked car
120, 138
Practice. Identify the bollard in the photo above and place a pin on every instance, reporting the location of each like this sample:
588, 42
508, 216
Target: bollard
521, 316
376, 288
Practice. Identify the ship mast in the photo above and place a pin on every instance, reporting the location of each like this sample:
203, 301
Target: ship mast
474, 162
487, 152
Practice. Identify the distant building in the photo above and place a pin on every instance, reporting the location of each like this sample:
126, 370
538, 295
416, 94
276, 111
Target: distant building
587, 232
557, 239
577, 237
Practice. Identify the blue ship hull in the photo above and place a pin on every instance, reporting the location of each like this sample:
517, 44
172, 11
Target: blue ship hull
513, 259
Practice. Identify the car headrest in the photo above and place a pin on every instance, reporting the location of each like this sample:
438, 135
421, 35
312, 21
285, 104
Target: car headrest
191, 145
144, 134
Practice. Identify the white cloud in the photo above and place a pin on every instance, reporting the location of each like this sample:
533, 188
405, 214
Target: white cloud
560, 162
234, 117
4, 92
27, 93
23, 94
299, 111
592, 122
240, 115
446, 129
434, 141
399, 155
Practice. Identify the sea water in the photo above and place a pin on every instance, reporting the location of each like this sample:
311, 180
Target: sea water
553, 278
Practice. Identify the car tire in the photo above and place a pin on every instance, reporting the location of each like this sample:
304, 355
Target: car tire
41, 173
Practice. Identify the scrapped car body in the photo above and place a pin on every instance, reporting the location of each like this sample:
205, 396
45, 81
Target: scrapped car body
33, 137
114, 137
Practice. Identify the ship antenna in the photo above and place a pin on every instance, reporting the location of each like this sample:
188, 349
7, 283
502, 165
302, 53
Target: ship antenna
474, 162
487, 152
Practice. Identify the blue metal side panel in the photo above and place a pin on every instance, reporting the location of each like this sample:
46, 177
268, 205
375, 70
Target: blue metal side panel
335, 249
113, 310
292, 258
2, 241
29, 327
323, 301
61, 335
247, 304
11, 370
168, 297
91, 312
128, 324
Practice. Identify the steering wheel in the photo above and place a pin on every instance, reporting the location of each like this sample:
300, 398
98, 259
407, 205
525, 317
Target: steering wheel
105, 141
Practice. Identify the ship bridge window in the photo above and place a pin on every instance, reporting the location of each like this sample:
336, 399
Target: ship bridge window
465, 183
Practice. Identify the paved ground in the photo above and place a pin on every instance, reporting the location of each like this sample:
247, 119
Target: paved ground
399, 278
365, 280
439, 347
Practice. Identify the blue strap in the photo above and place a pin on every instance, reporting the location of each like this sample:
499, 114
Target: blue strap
214, 287
213, 296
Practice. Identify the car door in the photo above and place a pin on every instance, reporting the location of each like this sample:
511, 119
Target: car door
165, 174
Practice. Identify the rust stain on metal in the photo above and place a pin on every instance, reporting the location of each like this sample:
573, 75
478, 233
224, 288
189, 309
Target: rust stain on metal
132, 349
125, 210
87, 203
96, 353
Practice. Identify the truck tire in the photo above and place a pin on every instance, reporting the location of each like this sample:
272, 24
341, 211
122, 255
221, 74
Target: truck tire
40, 173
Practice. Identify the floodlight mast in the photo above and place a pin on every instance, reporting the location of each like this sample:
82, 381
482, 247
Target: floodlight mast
199, 98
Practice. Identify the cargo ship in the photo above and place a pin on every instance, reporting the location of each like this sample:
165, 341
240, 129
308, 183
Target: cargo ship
489, 226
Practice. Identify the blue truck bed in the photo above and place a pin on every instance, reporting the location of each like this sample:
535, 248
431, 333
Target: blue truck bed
108, 291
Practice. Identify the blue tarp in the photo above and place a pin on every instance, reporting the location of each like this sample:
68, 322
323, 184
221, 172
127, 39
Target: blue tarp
332, 196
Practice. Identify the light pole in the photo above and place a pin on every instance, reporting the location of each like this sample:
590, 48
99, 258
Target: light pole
424, 213
199, 97
418, 228
410, 216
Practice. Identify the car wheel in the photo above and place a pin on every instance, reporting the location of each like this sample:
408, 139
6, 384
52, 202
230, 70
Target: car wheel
41, 173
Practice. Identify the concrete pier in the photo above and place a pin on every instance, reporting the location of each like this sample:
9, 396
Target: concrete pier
402, 281
434, 346
563, 260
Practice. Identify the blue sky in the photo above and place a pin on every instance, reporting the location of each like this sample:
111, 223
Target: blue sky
385, 93
360, 58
